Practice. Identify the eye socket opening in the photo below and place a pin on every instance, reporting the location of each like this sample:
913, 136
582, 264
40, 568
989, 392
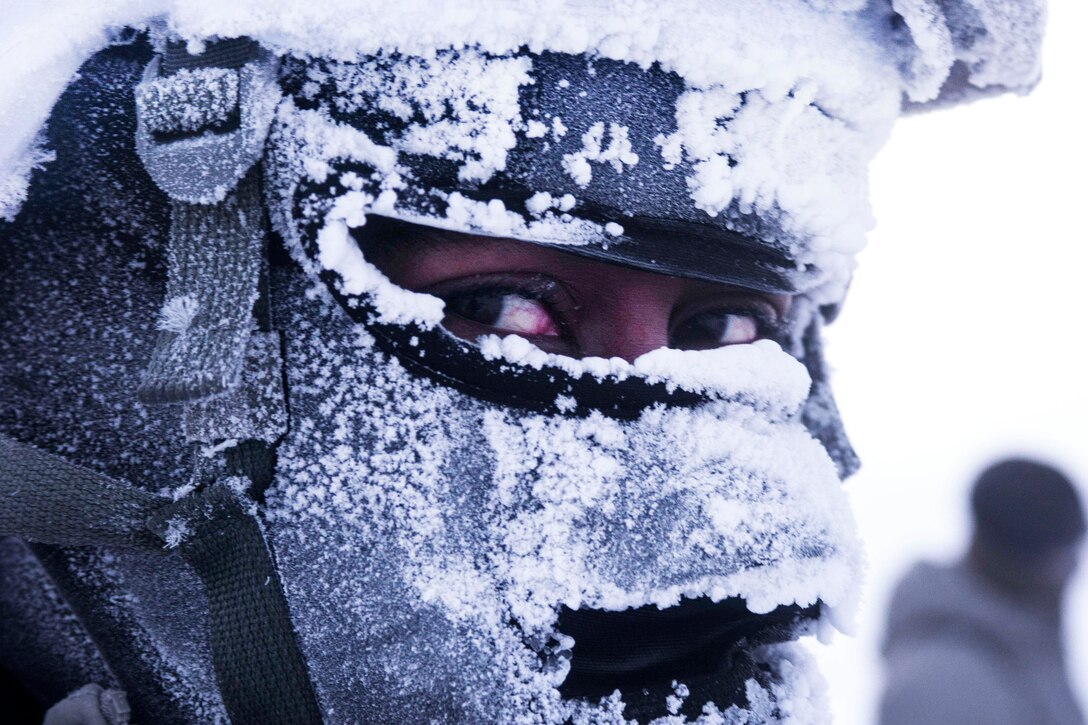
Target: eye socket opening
532, 305
737, 318
565, 303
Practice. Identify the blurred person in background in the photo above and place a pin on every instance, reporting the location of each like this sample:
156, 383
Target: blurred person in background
980, 641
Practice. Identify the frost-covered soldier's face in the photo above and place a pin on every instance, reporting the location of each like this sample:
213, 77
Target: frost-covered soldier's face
561, 445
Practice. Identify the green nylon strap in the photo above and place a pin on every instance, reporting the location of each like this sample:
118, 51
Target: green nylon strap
225, 53
261, 672
47, 499
214, 264
259, 666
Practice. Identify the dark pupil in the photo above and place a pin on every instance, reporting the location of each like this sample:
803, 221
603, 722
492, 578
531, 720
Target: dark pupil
706, 330
483, 307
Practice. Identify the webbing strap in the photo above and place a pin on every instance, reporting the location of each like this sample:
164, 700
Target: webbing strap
47, 499
224, 53
258, 663
214, 261
201, 124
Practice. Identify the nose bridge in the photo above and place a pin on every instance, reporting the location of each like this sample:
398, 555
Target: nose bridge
629, 319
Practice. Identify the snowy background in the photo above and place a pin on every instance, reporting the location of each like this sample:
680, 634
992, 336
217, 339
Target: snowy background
963, 334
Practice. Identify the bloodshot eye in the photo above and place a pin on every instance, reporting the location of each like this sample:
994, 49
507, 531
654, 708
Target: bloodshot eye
507, 311
717, 328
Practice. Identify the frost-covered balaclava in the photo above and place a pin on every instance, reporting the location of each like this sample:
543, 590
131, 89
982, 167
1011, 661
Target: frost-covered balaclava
523, 535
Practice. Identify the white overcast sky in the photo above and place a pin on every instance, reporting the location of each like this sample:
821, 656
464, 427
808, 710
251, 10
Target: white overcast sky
964, 333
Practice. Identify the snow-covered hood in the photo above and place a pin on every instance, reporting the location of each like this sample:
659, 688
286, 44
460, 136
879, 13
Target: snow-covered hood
826, 79
490, 487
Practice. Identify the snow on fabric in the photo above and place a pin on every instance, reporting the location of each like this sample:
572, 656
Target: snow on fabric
785, 146
465, 525
759, 373
970, 48
847, 68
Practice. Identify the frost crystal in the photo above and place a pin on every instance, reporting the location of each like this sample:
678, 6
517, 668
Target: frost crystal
176, 531
459, 106
617, 153
178, 313
188, 101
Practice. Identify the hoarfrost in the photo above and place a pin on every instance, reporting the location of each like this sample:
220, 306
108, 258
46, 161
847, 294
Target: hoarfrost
461, 106
176, 532
188, 101
178, 314
759, 371
617, 153
539, 202
338, 251
458, 517
15, 177
962, 50
465, 526
768, 47
535, 129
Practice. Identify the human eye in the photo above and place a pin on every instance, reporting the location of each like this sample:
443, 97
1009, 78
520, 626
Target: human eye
506, 310
502, 305
730, 324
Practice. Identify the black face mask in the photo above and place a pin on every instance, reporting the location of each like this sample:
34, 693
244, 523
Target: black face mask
497, 504
645, 650
467, 535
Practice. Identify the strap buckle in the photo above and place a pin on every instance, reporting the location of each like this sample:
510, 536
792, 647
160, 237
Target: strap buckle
199, 130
